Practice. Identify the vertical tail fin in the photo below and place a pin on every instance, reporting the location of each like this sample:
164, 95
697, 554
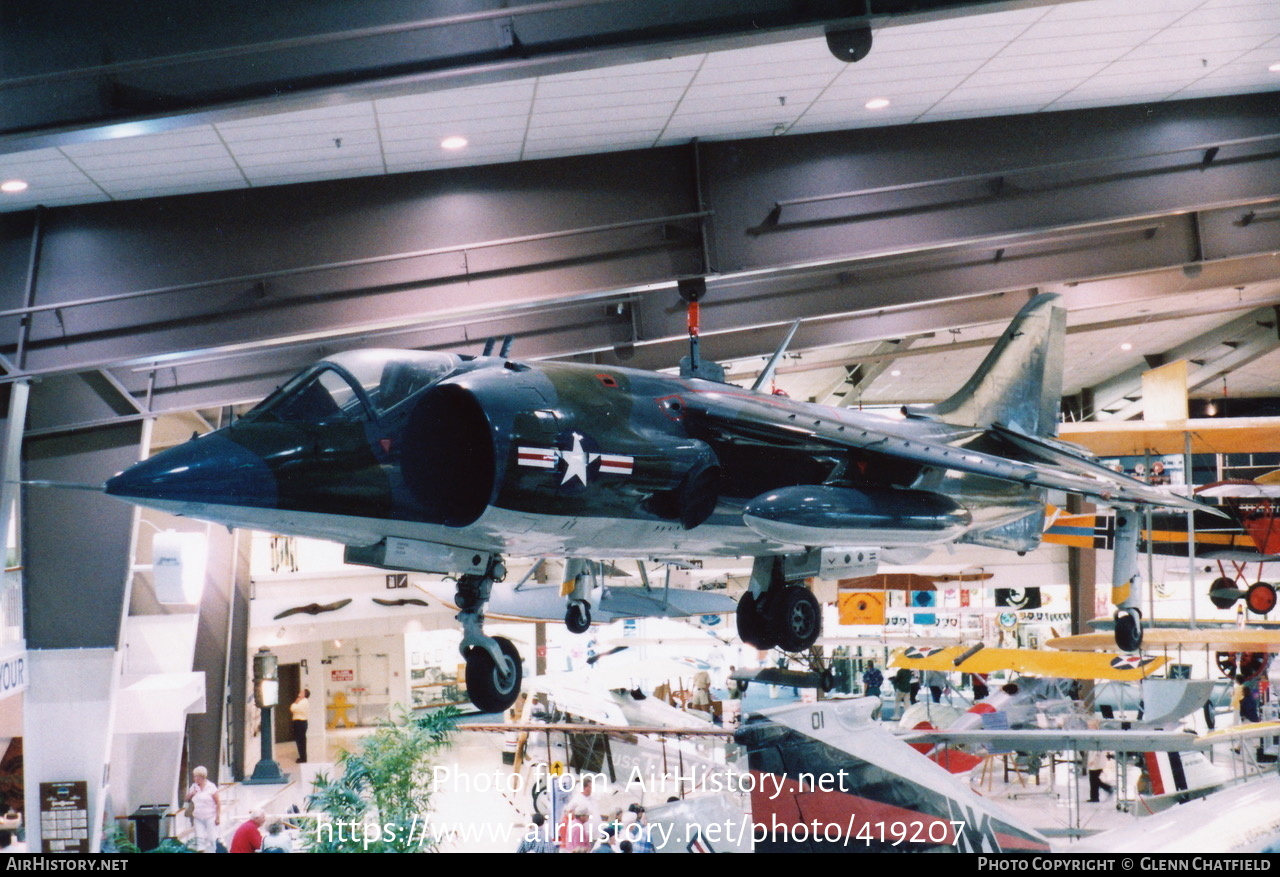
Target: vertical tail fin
1019, 384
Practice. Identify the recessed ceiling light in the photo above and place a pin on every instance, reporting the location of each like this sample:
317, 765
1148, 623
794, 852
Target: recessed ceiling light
1126, 346
877, 103
1275, 68
896, 372
12, 186
454, 142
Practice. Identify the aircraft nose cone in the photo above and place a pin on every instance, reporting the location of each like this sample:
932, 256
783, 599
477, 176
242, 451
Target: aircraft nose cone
212, 469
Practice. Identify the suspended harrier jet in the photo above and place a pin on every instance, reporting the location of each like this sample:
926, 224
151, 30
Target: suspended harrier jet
447, 464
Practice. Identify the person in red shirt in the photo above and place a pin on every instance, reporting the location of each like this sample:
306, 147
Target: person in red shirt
248, 837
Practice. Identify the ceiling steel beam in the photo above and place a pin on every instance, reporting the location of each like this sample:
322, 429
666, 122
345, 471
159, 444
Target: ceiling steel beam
75, 72
1211, 356
223, 294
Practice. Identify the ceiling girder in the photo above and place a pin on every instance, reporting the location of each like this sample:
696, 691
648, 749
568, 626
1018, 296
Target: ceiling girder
1211, 356
223, 294
73, 71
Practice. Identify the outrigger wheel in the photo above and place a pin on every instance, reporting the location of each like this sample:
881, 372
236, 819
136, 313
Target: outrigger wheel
1128, 629
492, 688
796, 618
577, 618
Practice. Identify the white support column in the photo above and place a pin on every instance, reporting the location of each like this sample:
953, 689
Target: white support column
67, 730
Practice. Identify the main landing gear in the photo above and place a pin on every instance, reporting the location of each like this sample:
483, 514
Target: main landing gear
493, 671
774, 614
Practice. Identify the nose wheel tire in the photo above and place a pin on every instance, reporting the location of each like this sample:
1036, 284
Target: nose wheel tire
493, 689
796, 621
578, 617
1128, 630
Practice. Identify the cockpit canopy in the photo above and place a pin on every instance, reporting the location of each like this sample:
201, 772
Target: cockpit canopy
354, 386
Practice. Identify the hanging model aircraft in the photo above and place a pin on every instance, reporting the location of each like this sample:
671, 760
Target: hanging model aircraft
445, 464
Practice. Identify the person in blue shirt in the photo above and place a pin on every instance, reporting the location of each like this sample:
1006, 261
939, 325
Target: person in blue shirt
872, 679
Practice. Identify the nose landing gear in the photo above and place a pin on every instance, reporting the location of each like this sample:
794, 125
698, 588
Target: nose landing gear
494, 670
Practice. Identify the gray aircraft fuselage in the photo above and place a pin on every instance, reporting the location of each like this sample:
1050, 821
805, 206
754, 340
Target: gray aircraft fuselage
570, 460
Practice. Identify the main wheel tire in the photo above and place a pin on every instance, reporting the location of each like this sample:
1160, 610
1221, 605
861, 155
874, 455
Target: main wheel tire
750, 621
1223, 593
489, 689
577, 618
1128, 630
796, 619
1260, 598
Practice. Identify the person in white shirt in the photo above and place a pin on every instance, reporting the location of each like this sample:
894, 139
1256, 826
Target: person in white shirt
206, 809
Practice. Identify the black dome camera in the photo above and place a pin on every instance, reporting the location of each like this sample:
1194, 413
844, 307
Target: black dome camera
849, 44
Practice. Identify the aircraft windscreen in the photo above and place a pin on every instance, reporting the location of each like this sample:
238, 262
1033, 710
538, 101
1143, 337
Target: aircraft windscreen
353, 386
322, 395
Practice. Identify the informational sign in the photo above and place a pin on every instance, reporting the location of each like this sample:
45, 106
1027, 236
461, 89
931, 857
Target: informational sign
342, 675
64, 817
13, 671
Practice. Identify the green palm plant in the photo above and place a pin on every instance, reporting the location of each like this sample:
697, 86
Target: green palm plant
380, 799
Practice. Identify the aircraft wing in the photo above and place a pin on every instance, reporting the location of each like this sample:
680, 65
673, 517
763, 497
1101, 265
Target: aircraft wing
1203, 625
1037, 740
1252, 490
1103, 740
545, 603
1241, 819
761, 418
1122, 668
1218, 640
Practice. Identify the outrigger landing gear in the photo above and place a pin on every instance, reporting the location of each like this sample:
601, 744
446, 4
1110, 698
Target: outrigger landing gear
577, 618
776, 614
1126, 583
579, 577
493, 669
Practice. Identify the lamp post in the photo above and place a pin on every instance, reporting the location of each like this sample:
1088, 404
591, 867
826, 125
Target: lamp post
266, 694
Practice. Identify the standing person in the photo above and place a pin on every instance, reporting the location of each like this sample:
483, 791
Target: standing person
248, 837
901, 690
538, 838
1097, 761
206, 809
980, 689
300, 710
872, 679
936, 682
637, 831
